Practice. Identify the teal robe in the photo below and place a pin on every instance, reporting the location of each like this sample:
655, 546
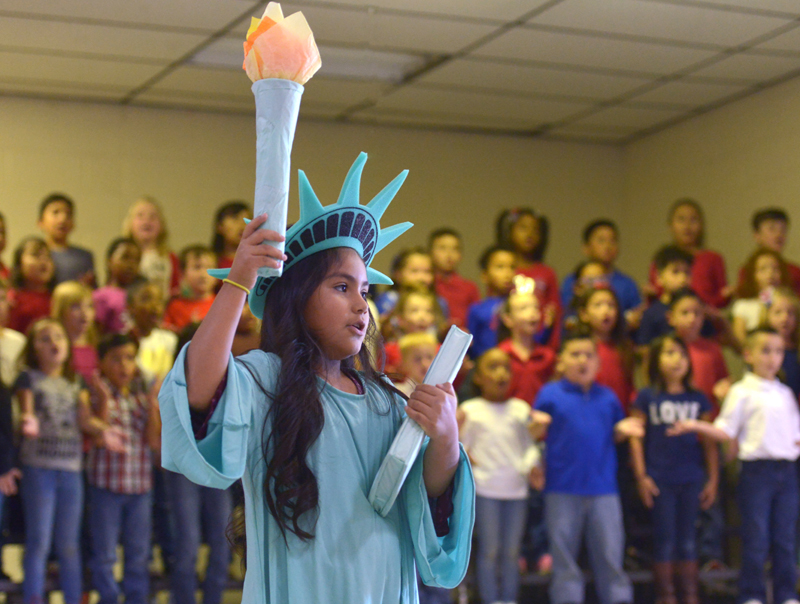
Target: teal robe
357, 556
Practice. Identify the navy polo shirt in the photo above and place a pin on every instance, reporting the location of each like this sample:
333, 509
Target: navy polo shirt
581, 456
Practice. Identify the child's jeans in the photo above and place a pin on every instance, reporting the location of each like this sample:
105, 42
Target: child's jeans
500, 526
163, 529
195, 506
768, 501
675, 512
48, 495
534, 544
115, 518
568, 518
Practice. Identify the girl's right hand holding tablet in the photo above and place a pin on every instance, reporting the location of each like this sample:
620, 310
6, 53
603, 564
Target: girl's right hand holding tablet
252, 254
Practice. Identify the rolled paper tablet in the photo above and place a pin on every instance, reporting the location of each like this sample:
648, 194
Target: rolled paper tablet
406, 445
280, 55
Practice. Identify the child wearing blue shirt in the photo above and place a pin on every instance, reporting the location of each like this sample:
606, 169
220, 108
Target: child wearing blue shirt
675, 476
601, 244
497, 272
582, 421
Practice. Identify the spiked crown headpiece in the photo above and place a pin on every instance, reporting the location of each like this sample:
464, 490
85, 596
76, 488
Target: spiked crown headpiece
344, 224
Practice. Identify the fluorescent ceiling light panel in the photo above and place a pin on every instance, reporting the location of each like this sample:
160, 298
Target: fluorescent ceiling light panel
350, 63
364, 64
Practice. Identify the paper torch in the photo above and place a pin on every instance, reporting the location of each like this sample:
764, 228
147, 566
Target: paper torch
280, 56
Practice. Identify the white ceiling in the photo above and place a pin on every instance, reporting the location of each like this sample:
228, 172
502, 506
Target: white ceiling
599, 70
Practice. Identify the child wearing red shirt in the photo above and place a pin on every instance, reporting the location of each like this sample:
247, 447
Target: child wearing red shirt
708, 279
710, 372
197, 288
526, 233
32, 277
598, 308
532, 365
770, 229
444, 246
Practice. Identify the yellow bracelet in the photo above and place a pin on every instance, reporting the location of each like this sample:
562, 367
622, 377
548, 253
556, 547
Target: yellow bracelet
239, 285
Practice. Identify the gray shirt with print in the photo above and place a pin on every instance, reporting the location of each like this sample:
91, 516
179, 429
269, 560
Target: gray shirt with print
59, 445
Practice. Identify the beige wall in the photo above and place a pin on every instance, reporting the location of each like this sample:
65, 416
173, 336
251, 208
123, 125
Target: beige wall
736, 159
105, 156
733, 160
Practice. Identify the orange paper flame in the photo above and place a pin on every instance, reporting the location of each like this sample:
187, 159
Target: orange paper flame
280, 48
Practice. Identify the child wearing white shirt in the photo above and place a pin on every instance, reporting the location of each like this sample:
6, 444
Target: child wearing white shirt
761, 414
494, 431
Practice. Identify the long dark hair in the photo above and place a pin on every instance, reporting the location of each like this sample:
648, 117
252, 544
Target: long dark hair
231, 208
295, 418
654, 367
619, 334
508, 218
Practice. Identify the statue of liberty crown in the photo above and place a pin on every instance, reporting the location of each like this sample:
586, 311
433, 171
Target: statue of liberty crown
344, 224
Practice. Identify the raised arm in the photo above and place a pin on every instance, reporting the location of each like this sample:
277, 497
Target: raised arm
208, 353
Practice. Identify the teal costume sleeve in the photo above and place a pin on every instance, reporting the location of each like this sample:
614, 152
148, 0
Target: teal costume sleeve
218, 460
441, 561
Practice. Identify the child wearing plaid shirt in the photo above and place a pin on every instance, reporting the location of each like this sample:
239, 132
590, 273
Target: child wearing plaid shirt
120, 484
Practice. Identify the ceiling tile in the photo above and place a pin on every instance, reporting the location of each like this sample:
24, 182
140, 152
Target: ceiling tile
530, 80
337, 61
62, 90
776, 6
447, 120
207, 80
652, 19
608, 134
224, 52
74, 71
689, 94
750, 67
344, 92
210, 16
496, 10
591, 51
320, 111
182, 100
628, 117
531, 111
373, 28
789, 41
126, 42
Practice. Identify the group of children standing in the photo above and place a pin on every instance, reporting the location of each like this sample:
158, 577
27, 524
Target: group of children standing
602, 361
581, 367
84, 365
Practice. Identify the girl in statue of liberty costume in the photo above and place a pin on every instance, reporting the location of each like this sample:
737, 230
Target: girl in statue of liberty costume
306, 421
